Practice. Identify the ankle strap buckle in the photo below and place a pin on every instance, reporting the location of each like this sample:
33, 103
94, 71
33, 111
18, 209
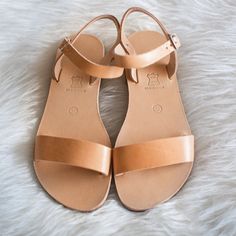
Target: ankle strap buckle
64, 43
174, 40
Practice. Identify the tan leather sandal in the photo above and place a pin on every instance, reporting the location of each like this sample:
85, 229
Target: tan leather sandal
73, 150
154, 151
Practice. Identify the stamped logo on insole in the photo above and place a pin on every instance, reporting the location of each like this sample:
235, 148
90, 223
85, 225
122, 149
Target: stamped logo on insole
157, 108
73, 110
77, 83
154, 81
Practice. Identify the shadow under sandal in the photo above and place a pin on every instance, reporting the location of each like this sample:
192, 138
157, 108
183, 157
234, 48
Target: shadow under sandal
73, 150
154, 151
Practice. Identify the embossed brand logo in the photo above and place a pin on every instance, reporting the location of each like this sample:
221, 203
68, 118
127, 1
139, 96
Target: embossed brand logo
157, 108
73, 110
153, 81
77, 83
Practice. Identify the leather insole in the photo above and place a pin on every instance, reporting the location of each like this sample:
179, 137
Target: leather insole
72, 112
155, 111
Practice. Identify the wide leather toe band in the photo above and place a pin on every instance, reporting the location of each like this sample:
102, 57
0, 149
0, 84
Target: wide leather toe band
79, 153
153, 154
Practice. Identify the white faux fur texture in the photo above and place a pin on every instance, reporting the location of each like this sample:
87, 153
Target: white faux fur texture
30, 32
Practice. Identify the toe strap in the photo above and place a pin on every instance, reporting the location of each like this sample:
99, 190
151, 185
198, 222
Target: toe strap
72, 152
153, 154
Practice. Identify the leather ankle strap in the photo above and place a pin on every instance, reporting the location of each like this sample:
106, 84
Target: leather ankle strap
138, 9
89, 67
126, 57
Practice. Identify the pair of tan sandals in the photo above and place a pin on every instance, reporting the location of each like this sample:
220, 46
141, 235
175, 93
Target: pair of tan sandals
154, 151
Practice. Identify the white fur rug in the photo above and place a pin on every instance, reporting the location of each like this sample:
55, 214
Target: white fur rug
30, 32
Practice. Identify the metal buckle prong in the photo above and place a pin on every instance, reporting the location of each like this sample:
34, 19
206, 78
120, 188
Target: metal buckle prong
65, 42
174, 40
